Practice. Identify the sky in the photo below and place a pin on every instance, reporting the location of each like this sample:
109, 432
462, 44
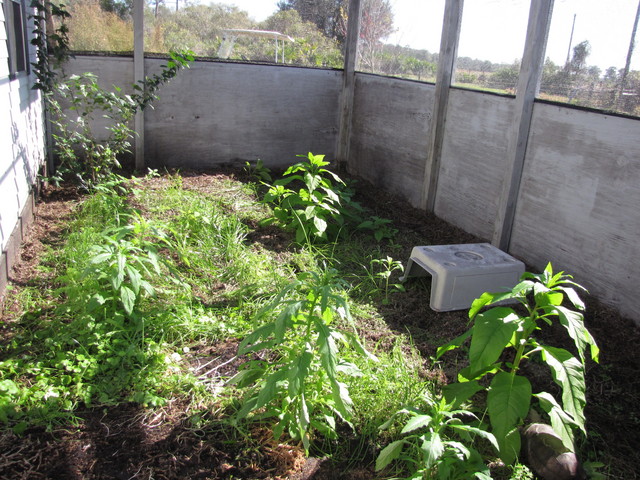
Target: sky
495, 29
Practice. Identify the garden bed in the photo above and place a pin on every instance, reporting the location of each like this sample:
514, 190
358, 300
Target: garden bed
188, 435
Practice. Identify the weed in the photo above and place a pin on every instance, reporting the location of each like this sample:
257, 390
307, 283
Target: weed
437, 442
301, 385
322, 209
500, 328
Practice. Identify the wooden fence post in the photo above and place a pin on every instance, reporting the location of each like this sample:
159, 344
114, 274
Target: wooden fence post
444, 78
528, 86
348, 83
138, 76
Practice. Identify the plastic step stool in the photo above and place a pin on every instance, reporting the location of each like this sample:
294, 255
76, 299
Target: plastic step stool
461, 273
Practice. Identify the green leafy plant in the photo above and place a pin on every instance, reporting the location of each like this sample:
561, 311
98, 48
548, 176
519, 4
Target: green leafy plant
73, 104
121, 265
52, 48
503, 330
258, 171
378, 277
381, 227
77, 102
437, 442
297, 380
313, 211
322, 208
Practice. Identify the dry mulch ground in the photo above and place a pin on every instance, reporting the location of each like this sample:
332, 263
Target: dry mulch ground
128, 442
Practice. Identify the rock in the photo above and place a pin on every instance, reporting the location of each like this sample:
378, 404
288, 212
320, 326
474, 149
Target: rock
548, 457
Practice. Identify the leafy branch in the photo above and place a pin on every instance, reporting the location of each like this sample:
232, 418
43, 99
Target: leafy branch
501, 328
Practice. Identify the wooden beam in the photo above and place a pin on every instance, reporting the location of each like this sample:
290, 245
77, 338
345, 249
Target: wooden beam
444, 79
526, 91
138, 76
348, 83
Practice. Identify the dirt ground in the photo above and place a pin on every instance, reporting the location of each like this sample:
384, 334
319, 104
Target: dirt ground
128, 442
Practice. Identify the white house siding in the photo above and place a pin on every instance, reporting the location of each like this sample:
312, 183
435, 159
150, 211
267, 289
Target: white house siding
22, 148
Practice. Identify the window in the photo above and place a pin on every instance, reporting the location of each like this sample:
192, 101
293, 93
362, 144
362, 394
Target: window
15, 19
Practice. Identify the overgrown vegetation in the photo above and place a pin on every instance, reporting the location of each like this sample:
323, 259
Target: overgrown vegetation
85, 149
146, 274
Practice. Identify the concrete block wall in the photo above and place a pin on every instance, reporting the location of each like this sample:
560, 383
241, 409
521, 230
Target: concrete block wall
228, 113
220, 113
577, 206
388, 143
580, 191
579, 202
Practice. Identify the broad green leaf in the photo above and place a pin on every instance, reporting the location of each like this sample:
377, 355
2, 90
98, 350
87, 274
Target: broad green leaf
573, 297
327, 349
9, 387
561, 421
299, 371
342, 400
508, 403
489, 298
510, 446
320, 224
134, 277
432, 448
478, 432
116, 277
147, 287
415, 423
573, 322
466, 374
492, 332
331, 195
102, 257
349, 369
312, 181
121, 262
263, 332
568, 372
246, 377
152, 255
455, 343
458, 393
284, 319
480, 302
464, 452
270, 388
388, 454
128, 299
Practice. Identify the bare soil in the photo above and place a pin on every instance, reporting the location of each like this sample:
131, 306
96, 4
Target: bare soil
129, 442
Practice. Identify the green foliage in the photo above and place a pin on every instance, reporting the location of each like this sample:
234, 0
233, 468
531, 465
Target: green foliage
75, 104
52, 48
300, 381
437, 444
502, 328
85, 150
314, 211
94, 344
258, 171
145, 90
121, 266
377, 280
322, 208
80, 151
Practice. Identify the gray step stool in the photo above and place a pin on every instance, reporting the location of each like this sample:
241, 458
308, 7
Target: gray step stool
461, 273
